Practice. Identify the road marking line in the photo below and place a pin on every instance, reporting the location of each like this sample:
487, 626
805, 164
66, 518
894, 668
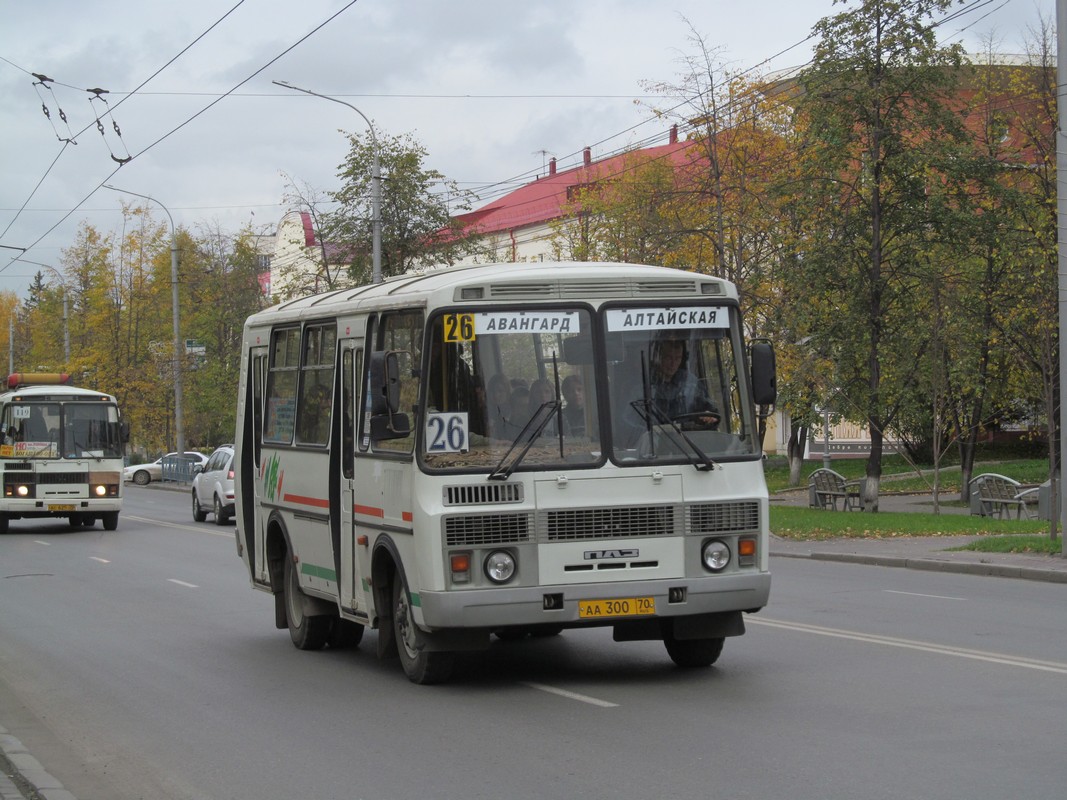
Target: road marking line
926, 647
183, 583
583, 698
101, 560
180, 527
38, 541
917, 594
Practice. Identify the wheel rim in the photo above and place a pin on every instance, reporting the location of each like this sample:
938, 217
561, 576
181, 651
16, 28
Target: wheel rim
141, 478
218, 508
196, 504
405, 626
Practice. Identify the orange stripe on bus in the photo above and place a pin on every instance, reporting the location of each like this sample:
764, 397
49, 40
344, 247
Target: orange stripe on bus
406, 516
370, 511
316, 502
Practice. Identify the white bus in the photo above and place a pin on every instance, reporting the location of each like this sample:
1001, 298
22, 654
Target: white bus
506, 449
62, 452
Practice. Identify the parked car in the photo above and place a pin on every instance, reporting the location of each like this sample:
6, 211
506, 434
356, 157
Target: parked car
143, 474
213, 487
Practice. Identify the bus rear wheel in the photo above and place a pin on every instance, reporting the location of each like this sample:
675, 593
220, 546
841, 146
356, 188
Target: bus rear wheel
422, 666
691, 653
307, 633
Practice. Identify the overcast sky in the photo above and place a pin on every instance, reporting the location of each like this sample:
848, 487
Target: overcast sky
487, 86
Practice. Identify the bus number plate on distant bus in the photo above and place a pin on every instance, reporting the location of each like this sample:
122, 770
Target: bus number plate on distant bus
623, 607
60, 506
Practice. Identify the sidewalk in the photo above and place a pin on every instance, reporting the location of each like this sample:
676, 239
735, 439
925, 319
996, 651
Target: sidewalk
917, 552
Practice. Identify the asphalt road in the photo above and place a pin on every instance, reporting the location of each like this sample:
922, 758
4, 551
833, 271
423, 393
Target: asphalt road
140, 664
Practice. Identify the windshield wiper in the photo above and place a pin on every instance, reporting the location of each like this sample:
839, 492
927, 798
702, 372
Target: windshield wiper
530, 431
648, 409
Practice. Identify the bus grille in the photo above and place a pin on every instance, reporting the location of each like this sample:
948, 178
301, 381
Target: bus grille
724, 517
62, 477
608, 523
486, 529
483, 493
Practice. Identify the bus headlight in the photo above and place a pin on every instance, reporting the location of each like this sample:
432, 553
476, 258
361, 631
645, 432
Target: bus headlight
101, 490
499, 566
715, 555
23, 490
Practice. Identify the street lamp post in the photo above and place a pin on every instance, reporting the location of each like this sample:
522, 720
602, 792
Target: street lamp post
376, 183
179, 427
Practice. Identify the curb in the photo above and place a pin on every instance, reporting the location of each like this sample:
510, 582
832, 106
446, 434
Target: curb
937, 565
23, 776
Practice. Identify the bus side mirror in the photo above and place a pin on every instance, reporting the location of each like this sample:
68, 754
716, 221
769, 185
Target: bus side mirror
124, 432
386, 422
764, 377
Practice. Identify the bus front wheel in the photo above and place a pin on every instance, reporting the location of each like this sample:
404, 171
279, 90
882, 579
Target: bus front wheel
422, 666
307, 633
693, 652
110, 520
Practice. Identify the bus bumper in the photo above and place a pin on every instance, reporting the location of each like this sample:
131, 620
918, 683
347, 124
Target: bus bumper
559, 605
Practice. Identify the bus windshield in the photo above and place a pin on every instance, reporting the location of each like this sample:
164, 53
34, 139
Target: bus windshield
68, 430
513, 380
674, 376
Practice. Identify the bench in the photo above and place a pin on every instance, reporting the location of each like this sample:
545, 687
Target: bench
826, 488
997, 496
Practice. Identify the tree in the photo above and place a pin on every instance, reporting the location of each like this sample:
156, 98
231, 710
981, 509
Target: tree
875, 126
416, 210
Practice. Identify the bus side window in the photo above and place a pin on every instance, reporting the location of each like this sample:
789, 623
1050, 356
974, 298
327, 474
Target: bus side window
280, 419
402, 333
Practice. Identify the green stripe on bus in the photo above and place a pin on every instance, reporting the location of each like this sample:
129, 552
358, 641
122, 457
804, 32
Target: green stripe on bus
318, 572
416, 600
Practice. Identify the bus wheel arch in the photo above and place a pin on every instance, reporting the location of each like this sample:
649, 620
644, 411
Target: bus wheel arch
385, 569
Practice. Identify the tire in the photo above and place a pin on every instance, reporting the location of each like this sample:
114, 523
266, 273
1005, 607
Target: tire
199, 515
307, 633
420, 665
142, 478
110, 520
345, 634
691, 653
3, 523
221, 516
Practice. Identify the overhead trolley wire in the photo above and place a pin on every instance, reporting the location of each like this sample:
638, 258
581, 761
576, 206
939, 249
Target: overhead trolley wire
174, 130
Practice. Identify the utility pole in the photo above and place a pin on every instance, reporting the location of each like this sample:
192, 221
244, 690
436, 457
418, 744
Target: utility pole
1061, 213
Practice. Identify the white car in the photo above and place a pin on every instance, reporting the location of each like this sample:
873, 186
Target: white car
143, 474
213, 487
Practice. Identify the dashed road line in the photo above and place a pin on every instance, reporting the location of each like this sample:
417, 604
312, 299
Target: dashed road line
582, 698
183, 583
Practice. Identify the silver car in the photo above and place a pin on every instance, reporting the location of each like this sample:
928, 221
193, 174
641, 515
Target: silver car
213, 487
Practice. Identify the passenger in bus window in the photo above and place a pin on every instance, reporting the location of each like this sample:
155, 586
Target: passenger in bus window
519, 402
541, 392
574, 411
674, 390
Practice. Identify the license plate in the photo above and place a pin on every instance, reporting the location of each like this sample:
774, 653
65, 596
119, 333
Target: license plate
621, 607
60, 506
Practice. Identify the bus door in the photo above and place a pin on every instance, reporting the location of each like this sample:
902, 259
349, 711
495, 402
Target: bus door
255, 533
354, 543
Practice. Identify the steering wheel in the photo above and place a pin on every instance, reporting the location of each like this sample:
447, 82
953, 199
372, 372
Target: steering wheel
694, 420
